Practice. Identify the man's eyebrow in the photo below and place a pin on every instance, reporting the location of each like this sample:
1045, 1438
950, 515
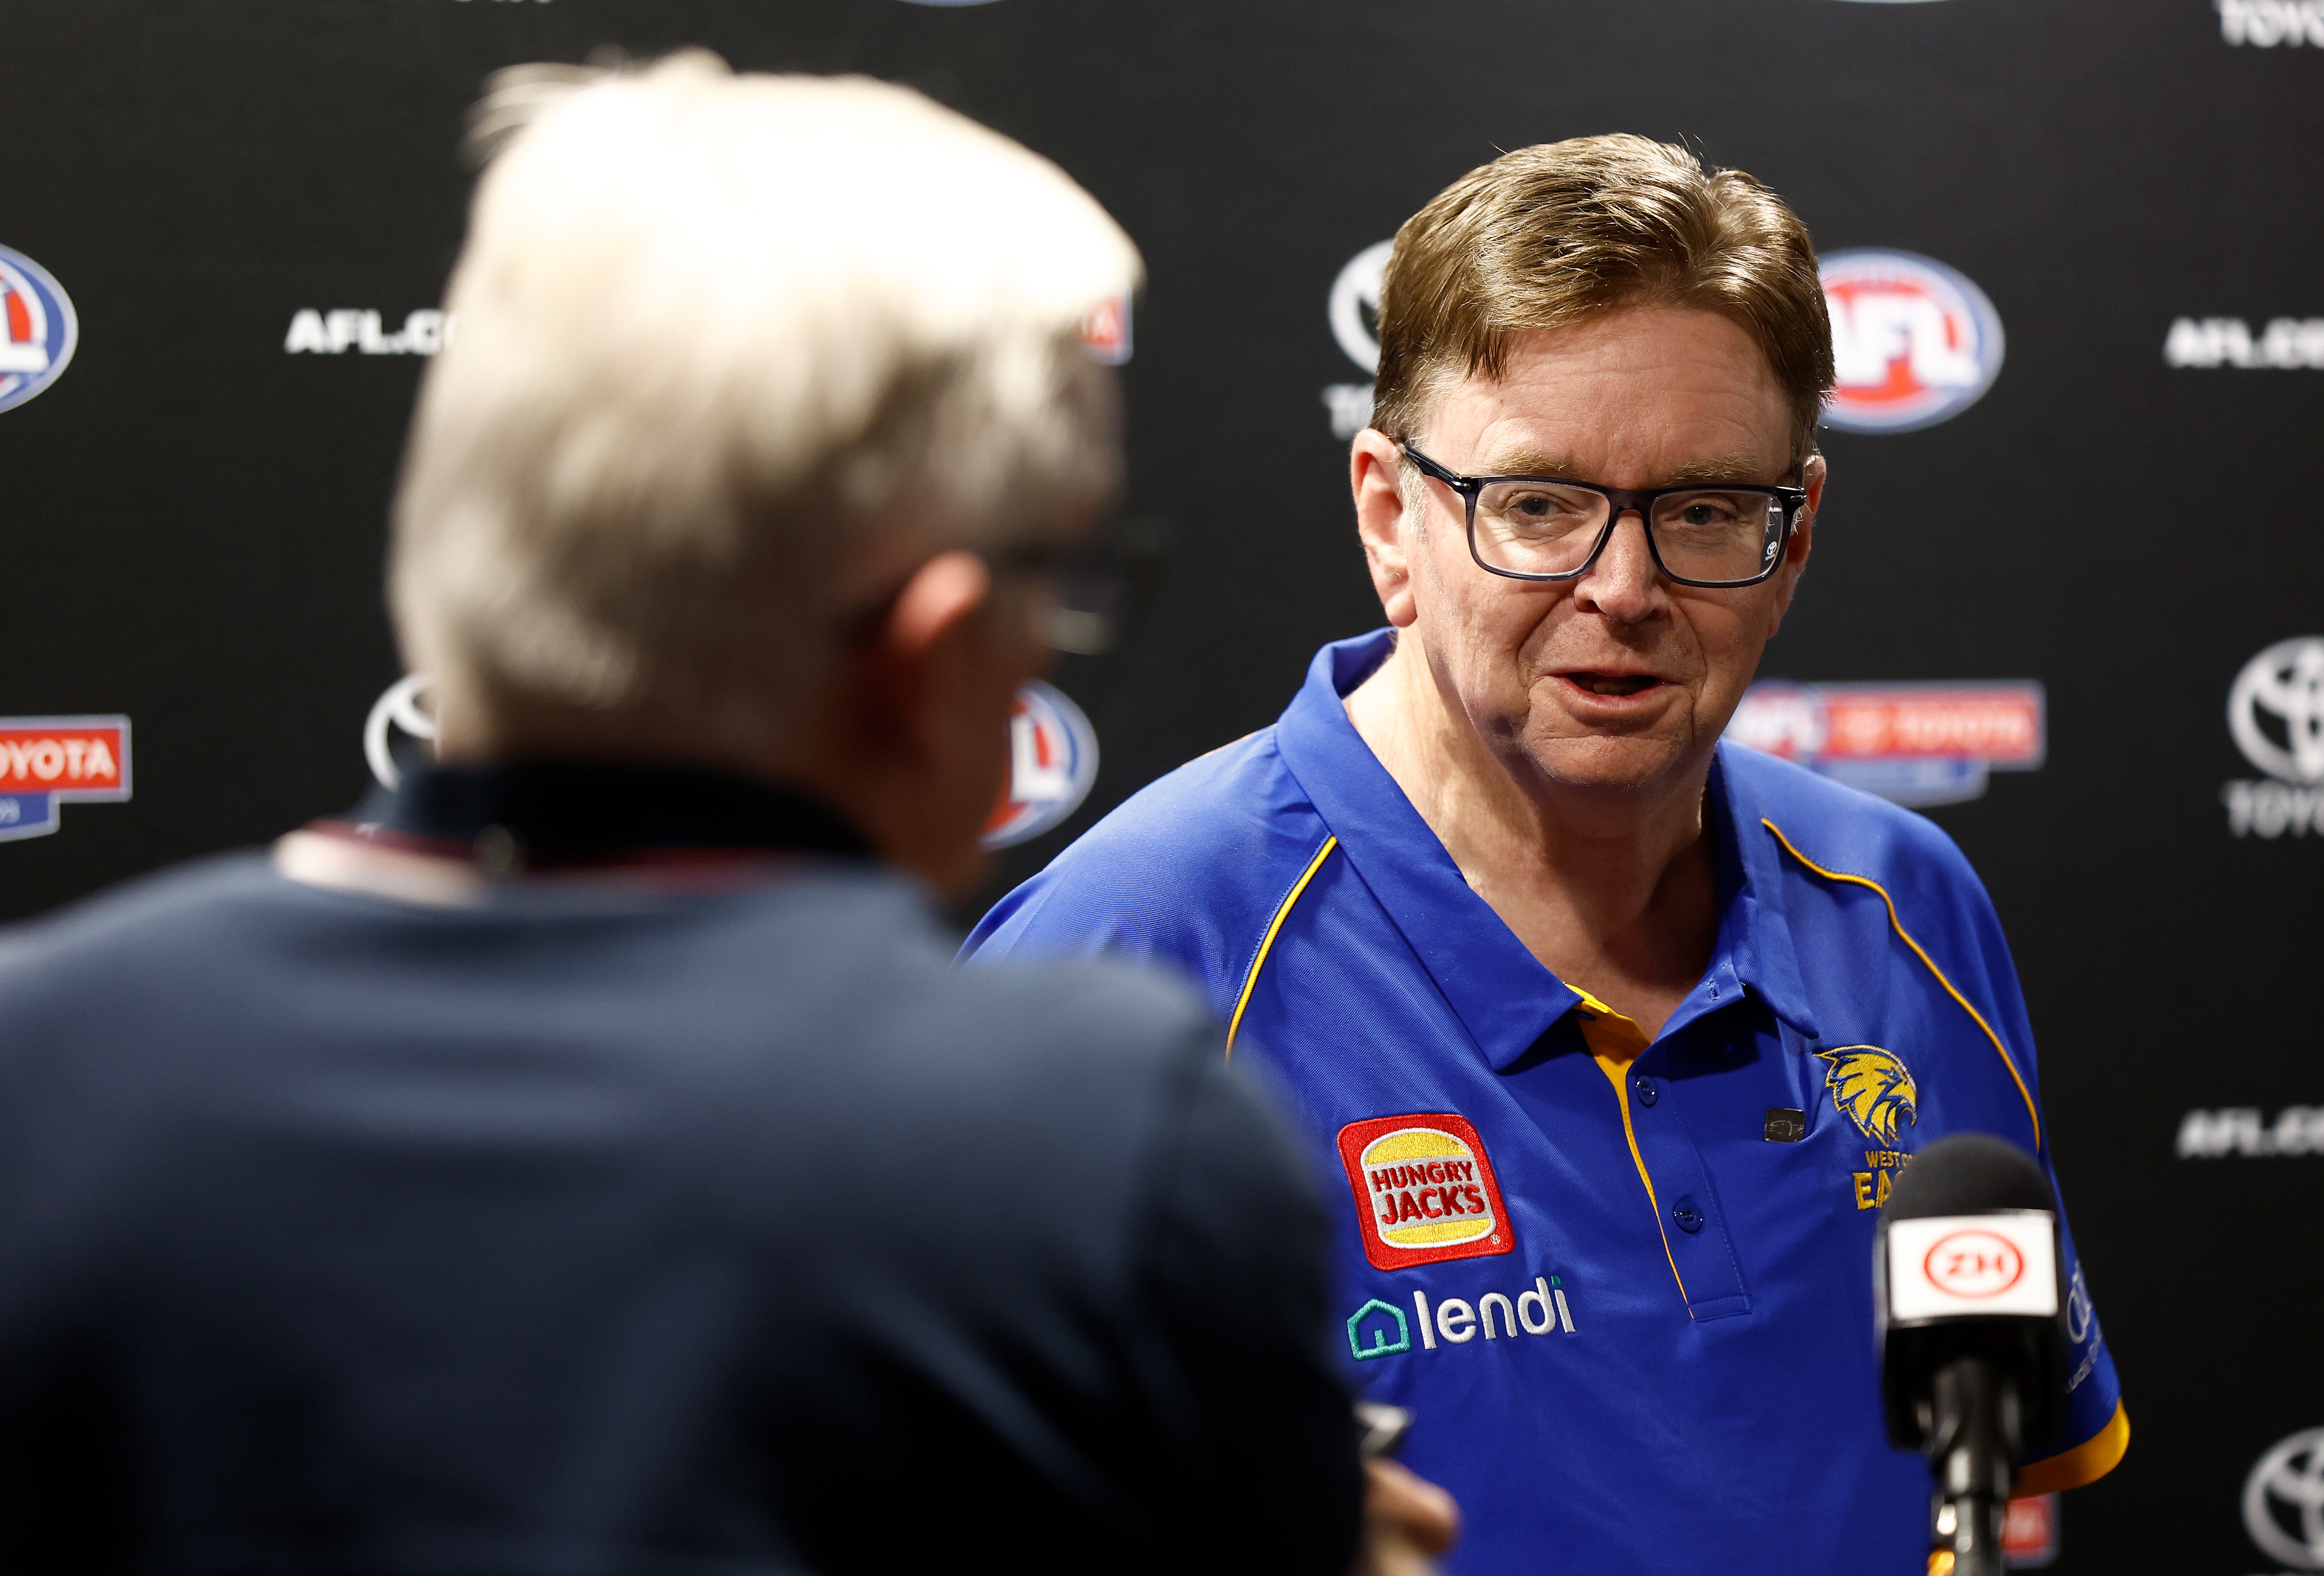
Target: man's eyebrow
1741, 466
1531, 462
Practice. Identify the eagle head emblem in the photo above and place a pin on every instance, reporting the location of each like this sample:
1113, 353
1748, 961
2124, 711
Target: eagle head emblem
1872, 1088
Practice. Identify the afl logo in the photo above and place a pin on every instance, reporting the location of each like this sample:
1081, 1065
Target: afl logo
38, 330
1105, 331
1427, 1189
1914, 342
1052, 764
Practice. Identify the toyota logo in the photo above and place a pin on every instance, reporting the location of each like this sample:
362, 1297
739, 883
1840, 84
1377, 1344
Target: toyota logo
2283, 1500
398, 711
2284, 683
1354, 305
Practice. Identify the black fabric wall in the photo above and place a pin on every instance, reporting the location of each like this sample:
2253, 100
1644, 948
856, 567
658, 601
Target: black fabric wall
192, 520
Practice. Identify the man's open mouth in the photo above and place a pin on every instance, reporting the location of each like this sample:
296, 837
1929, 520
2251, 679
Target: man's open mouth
1613, 683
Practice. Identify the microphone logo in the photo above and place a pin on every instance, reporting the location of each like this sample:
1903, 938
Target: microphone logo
2283, 1501
1974, 1264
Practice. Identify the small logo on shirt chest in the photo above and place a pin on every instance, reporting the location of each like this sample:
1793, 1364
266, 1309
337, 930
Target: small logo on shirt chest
1379, 1329
1874, 1089
1426, 1188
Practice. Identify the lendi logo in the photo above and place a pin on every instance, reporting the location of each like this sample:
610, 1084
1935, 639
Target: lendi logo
1379, 1329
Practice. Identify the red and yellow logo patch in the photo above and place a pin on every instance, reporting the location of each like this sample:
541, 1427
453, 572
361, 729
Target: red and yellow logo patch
1426, 1189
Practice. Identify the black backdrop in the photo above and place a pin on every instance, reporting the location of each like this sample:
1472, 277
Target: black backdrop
193, 518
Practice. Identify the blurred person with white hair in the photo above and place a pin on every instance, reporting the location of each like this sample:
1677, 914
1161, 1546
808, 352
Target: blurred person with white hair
588, 1160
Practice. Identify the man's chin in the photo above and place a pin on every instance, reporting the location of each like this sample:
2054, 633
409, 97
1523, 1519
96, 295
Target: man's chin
1610, 763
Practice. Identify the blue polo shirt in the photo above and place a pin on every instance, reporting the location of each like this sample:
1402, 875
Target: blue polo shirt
1625, 1285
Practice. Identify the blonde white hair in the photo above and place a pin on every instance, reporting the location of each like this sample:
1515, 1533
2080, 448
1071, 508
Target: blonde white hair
729, 350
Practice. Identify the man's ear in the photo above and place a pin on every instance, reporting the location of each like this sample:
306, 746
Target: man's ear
1802, 542
896, 682
935, 605
913, 747
1375, 477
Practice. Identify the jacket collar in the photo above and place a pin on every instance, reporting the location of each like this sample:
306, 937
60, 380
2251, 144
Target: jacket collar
1503, 995
550, 815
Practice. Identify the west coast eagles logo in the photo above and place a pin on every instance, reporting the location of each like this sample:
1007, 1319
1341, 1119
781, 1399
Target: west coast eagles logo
1874, 1088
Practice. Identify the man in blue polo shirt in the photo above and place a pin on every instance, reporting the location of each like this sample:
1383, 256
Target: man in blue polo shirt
1613, 1037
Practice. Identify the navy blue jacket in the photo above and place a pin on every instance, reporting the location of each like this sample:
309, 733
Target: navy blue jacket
671, 1206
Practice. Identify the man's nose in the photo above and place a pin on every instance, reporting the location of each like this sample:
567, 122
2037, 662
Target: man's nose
1624, 582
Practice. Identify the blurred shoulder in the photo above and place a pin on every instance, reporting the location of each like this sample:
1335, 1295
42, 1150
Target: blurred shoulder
1077, 1006
179, 912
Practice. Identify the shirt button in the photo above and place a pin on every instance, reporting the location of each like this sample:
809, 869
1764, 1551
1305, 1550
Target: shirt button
1689, 1218
1648, 1092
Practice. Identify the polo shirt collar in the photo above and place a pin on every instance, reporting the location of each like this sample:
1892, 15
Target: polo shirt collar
1755, 931
1505, 998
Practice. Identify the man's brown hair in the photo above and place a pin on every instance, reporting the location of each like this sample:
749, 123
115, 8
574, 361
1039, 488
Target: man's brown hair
1561, 232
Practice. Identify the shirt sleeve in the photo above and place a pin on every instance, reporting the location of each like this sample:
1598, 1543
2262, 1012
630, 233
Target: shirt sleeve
2098, 1428
1235, 1269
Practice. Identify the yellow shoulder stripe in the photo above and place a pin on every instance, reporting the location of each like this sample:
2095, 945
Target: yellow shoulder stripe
2085, 1463
1273, 927
2007, 1060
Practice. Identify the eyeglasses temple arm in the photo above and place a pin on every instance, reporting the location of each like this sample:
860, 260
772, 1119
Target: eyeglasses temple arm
1429, 468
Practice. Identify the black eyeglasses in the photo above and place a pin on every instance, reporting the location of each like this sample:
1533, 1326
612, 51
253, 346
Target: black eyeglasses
1547, 528
1100, 587
1093, 593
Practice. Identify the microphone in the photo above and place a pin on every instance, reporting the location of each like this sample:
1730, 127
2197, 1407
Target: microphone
1967, 1301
